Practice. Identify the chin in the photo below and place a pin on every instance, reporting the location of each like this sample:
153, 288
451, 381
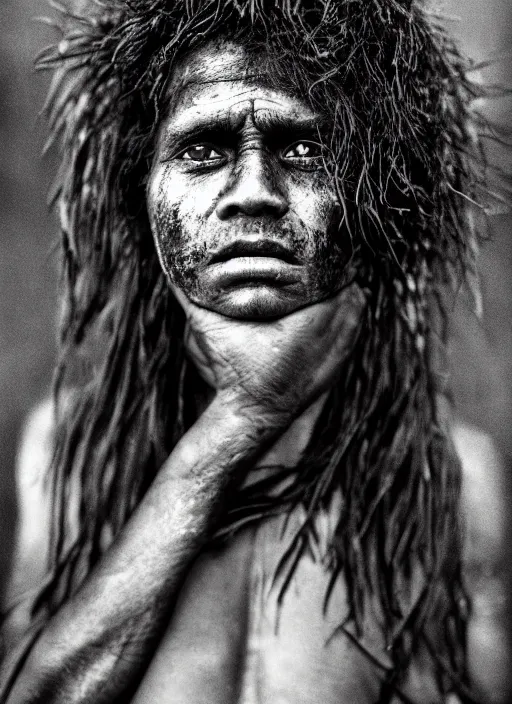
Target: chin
255, 303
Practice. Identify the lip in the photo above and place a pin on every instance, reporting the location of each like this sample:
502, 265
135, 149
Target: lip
260, 247
251, 270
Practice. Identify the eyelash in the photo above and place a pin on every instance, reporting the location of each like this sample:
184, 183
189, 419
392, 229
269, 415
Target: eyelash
297, 161
204, 145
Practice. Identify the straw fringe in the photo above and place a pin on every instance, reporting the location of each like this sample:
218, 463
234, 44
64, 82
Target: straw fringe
406, 159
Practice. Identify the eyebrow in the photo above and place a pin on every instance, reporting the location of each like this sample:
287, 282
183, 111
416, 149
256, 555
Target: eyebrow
221, 125
272, 122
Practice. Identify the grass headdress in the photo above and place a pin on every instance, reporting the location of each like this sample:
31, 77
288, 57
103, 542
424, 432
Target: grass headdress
405, 159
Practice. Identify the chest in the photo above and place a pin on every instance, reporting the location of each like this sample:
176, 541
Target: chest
236, 638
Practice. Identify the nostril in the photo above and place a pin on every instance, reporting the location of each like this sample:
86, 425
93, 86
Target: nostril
256, 203
253, 191
230, 211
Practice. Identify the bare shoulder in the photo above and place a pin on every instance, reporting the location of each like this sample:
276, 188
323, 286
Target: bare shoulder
32, 483
485, 502
484, 492
32, 533
34, 453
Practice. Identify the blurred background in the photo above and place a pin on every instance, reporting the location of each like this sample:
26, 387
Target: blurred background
482, 363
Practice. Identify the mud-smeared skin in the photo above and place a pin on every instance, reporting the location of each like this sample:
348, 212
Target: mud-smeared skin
253, 191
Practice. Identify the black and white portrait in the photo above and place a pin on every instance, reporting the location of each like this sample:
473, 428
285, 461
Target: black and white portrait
256, 389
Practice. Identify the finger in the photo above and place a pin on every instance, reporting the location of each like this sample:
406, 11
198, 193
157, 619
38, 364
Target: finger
182, 299
340, 313
350, 304
195, 350
352, 295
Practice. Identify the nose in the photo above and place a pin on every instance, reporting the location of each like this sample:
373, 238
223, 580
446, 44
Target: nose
253, 189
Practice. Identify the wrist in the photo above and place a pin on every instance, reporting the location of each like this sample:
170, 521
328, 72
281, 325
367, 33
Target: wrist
247, 416
229, 434
232, 431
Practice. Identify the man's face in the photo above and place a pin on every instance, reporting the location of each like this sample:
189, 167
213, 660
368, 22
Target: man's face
240, 206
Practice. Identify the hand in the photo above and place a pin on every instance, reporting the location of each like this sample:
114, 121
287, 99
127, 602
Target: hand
277, 367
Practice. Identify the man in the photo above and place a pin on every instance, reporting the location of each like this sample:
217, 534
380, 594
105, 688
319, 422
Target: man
253, 495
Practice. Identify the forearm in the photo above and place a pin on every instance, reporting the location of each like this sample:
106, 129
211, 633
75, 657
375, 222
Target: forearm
98, 644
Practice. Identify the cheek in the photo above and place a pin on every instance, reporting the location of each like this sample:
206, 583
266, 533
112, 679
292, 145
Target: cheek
314, 203
195, 197
168, 199
174, 225
178, 215
315, 206
325, 248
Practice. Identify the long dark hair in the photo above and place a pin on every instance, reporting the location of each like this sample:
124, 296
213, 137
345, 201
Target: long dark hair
406, 162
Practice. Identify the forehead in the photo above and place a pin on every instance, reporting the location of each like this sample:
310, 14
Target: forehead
223, 81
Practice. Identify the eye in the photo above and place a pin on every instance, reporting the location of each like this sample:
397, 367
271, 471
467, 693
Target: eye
305, 154
201, 154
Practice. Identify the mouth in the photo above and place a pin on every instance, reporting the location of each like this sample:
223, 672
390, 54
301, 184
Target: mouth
257, 247
252, 271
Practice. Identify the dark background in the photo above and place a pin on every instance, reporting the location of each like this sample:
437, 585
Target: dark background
482, 363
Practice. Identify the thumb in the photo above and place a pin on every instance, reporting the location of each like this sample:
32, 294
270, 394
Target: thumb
182, 299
